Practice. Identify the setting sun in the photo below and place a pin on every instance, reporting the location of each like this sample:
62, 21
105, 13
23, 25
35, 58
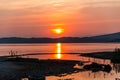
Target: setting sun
58, 30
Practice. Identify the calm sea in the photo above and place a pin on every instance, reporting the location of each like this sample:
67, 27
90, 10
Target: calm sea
58, 50
52, 48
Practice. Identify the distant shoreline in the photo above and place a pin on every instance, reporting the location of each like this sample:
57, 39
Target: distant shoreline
67, 43
107, 38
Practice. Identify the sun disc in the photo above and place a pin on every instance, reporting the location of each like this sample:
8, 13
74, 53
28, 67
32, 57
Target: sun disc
58, 30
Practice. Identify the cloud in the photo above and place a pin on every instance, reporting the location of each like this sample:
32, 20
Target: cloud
104, 3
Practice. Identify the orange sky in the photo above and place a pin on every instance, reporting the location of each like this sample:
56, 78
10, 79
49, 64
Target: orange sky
35, 18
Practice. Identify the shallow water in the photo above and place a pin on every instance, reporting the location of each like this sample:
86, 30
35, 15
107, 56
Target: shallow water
58, 49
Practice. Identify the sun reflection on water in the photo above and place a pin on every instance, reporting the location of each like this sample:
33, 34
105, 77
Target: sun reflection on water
59, 55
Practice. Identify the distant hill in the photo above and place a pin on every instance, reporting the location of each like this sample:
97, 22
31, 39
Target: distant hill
115, 37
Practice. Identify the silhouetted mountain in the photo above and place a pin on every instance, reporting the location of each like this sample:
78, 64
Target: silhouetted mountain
115, 37
108, 37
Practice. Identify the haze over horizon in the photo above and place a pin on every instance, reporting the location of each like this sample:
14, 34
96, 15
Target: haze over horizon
36, 18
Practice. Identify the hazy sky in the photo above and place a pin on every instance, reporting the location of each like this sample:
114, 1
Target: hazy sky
36, 18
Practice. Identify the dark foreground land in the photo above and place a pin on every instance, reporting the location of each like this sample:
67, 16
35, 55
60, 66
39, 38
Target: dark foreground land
17, 68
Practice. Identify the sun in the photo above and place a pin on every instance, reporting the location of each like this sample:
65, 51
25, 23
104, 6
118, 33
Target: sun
58, 30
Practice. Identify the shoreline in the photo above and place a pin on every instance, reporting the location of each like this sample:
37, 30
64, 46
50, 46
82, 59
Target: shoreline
100, 55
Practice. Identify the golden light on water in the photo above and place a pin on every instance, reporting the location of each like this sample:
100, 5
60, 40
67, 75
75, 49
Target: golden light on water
59, 48
58, 55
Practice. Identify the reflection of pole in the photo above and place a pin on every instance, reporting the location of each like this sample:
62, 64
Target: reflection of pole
88, 59
104, 75
94, 75
94, 59
104, 61
89, 74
